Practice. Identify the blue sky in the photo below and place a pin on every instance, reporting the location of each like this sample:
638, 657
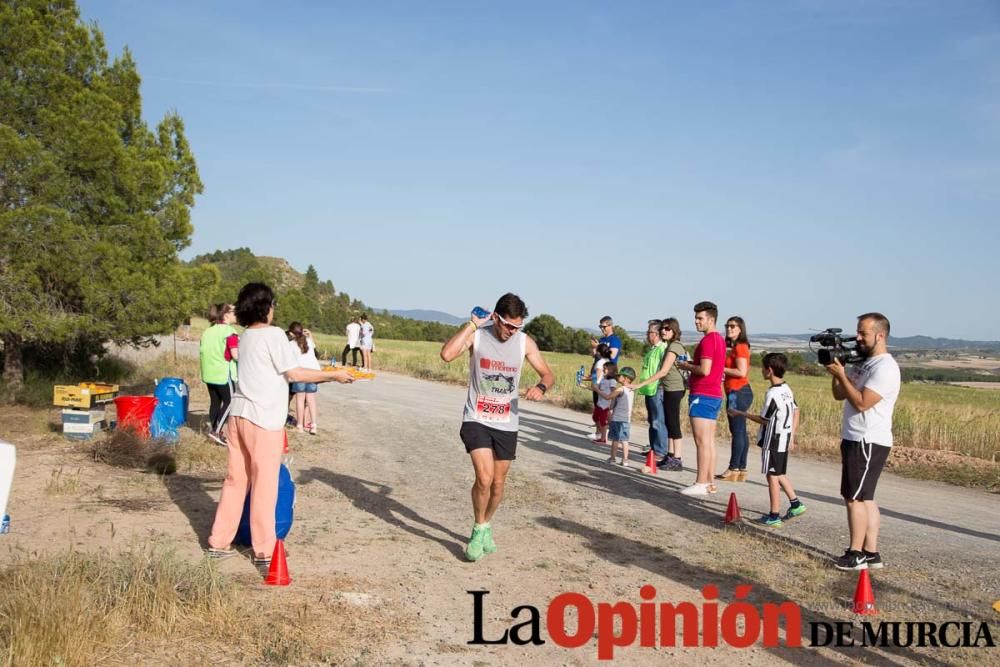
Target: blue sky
798, 163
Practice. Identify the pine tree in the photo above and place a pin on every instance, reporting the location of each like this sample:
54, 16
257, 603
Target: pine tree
94, 205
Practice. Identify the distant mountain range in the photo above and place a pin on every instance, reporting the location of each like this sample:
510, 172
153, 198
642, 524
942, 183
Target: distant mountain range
901, 343
429, 316
769, 340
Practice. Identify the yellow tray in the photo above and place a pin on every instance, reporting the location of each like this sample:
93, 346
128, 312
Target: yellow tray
83, 395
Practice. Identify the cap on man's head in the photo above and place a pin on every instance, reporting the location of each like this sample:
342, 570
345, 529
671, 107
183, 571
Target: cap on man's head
628, 372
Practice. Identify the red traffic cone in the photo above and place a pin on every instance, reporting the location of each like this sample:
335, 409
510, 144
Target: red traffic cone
285, 433
277, 574
650, 466
733, 510
864, 598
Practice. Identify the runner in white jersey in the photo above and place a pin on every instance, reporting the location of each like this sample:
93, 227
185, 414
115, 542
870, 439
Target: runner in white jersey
497, 350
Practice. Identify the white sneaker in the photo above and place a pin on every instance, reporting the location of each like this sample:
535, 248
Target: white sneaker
695, 490
593, 436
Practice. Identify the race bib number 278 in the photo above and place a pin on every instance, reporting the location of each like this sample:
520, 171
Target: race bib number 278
489, 409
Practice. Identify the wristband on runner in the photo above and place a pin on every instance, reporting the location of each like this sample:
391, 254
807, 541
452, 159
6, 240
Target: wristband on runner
542, 386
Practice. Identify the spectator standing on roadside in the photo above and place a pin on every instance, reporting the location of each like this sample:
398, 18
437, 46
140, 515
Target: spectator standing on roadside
603, 356
739, 397
869, 391
705, 398
609, 338
650, 389
306, 415
353, 331
780, 420
367, 343
217, 371
672, 384
256, 426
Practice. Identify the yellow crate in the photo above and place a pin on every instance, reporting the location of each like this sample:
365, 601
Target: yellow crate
83, 395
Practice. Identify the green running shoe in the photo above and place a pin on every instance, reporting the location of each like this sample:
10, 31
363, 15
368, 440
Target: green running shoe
489, 546
795, 511
771, 522
475, 549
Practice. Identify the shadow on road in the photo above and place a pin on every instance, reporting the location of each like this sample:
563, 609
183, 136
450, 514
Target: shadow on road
376, 499
569, 443
624, 551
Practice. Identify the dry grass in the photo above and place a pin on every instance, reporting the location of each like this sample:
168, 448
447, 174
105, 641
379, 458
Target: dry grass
62, 483
77, 609
80, 609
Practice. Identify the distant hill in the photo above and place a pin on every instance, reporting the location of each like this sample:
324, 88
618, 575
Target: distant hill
429, 316
901, 343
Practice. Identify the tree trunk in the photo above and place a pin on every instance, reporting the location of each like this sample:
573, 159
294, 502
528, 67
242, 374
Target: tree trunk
13, 368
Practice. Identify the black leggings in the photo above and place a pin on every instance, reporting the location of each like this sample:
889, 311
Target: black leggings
672, 412
219, 396
354, 355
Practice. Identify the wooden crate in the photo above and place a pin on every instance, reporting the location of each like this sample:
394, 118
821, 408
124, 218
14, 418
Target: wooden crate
83, 395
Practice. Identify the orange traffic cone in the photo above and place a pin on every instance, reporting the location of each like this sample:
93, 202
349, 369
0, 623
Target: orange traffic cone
864, 598
650, 466
277, 574
286, 442
733, 510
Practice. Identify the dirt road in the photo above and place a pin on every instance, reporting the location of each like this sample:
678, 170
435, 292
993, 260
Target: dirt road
383, 503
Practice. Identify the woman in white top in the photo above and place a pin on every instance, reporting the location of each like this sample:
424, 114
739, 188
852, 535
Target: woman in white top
302, 344
256, 425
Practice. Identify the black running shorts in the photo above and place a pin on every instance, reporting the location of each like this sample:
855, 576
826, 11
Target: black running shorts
476, 436
773, 463
861, 466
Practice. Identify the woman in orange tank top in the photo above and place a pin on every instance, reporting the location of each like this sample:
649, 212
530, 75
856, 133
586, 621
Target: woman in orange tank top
739, 396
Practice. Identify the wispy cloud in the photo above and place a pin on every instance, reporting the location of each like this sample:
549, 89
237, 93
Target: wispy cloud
277, 85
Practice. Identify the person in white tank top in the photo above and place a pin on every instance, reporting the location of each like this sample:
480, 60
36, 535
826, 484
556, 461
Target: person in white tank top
497, 349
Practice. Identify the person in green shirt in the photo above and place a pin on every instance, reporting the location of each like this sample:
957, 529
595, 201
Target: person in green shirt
650, 389
672, 384
218, 374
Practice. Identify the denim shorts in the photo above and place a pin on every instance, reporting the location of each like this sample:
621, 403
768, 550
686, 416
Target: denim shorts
619, 431
304, 388
704, 407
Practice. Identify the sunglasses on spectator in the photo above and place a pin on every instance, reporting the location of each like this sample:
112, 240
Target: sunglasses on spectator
509, 325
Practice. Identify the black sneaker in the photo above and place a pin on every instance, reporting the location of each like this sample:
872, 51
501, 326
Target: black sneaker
664, 461
851, 560
874, 560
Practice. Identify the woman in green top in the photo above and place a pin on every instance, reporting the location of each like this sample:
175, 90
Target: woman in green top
216, 371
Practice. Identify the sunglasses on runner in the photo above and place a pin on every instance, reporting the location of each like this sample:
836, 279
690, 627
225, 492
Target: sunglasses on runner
509, 325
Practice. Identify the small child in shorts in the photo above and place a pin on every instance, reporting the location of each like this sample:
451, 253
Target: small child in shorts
602, 356
601, 382
780, 419
621, 398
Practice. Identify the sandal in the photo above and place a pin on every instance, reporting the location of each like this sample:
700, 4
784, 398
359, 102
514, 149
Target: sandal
219, 554
729, 476
712, 488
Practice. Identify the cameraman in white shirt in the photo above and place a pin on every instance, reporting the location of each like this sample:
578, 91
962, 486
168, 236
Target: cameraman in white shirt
869, 391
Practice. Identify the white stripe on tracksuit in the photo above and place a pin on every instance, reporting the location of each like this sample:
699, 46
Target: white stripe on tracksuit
867, 453
225, 413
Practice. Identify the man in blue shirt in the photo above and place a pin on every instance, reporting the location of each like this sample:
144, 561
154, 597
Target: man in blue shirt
608, 336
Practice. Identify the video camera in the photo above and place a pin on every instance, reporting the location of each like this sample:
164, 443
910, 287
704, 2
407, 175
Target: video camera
832, 347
